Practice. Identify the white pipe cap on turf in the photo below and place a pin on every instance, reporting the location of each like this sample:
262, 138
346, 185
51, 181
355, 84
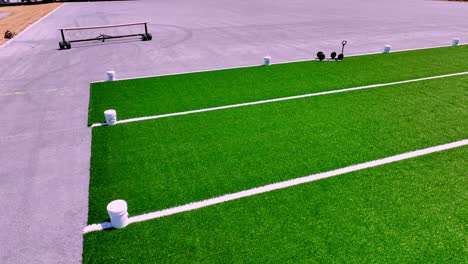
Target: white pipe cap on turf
118, 214
267, 61
455, 41
111, 117
387, 48
110, 76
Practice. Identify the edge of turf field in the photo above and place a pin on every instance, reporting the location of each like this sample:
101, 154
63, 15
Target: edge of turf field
281, 62
279, 185
342, 90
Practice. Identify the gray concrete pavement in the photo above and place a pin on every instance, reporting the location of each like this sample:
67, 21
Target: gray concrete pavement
44, 141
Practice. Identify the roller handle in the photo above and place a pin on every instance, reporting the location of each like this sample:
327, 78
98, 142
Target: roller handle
344, 44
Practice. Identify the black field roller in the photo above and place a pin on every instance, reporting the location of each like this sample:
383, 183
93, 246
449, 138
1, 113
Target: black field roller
333, 55
320, 56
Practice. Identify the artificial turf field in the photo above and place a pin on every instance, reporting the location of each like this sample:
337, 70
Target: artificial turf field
407, 211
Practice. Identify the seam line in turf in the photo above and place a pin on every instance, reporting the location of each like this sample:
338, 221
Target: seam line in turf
279, 185
216, 108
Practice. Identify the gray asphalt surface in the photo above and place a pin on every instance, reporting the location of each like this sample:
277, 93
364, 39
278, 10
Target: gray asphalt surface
44, 92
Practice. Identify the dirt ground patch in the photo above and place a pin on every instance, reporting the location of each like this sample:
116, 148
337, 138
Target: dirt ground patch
17, 18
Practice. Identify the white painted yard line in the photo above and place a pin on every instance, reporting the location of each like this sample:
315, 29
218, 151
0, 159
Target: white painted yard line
137, 119
277, 63
279, 185
30, 26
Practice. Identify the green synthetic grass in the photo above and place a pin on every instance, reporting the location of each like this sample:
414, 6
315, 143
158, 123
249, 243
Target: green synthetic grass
166, 94
412, 211
162, 163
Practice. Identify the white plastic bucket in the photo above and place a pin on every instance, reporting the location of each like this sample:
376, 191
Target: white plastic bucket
118, 214
110, 76
387, 48
455, 41
111, 117
267, 61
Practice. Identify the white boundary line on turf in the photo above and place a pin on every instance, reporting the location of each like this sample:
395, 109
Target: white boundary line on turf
279, 185
278, 63
137, 119
30, 26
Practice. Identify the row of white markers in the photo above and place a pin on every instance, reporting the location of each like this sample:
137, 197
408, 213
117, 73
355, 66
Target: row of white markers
267, 59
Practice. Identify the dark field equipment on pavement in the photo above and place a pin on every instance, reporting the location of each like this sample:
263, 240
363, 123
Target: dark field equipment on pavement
9, 34
320, 56
333, 57
341, 55
102, 33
